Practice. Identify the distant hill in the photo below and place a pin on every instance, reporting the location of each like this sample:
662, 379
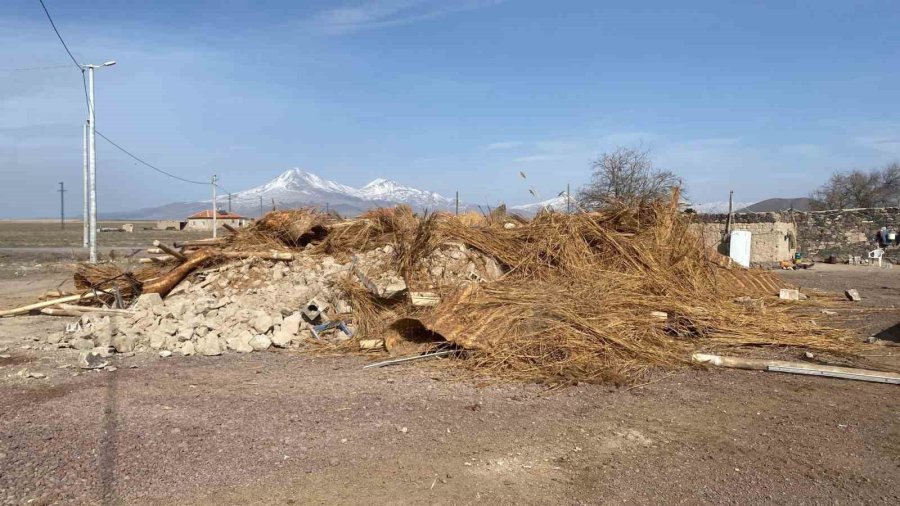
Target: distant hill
773, 205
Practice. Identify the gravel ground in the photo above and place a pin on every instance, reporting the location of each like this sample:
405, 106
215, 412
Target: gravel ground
286, 428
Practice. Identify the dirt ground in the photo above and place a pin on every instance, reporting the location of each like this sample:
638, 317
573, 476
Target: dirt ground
287, 428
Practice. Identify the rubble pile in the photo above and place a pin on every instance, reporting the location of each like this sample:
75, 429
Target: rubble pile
581, 297
252, 304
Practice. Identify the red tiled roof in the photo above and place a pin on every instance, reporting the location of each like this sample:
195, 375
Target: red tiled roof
207, 215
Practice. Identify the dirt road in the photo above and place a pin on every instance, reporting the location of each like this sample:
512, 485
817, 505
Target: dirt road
286, 428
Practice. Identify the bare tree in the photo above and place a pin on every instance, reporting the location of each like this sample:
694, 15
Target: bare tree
626, 176
859, 189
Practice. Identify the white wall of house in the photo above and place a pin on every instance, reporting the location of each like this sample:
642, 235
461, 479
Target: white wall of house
207, 223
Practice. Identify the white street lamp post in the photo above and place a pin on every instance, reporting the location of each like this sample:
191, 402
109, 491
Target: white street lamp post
92, 161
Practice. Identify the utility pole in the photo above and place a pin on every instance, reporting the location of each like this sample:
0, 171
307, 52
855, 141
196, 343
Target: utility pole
273, 203
260, 207
568, 199
728, 221
92, 160
84, 194
457, 202
62, 205
229, 203
215, 210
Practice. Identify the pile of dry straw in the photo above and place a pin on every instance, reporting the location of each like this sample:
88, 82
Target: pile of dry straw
582, 294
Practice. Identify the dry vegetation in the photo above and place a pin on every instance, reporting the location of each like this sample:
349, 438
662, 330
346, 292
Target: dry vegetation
580, 298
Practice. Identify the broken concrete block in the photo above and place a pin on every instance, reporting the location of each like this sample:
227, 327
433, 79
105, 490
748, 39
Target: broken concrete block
91, 360
80, 343
282, 338
260, 342
313, 309
291, 323
240, 342
187, 349
123, 343
789, 294
209, 345
262, 322
853, 295
148, 300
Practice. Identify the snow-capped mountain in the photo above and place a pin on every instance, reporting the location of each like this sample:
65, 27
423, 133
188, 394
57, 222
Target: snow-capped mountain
555, 204
717, 207
297, 188
392, 191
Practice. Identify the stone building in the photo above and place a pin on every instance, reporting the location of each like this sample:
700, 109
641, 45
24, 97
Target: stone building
777, 236
204, 220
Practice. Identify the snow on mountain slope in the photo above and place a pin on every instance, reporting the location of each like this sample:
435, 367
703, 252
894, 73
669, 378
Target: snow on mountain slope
717, 207
383, 189
298, 186
294, 183
556, 204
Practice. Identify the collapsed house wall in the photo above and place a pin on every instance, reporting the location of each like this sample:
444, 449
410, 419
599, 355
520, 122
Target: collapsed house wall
816, 234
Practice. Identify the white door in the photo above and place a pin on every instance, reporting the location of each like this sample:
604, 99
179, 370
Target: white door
739, 249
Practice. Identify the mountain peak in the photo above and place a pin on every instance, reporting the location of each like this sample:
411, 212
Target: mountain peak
379, 182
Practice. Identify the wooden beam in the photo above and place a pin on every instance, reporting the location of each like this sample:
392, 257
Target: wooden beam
757, 364
47, 303
175, 253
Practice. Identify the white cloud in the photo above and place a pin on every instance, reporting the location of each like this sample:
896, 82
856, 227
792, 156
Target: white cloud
498, 146
889, 144
537, 158
385, 13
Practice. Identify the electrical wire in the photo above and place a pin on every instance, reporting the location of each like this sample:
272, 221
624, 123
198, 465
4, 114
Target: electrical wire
157, 169
46, 67
90, 109
77, 65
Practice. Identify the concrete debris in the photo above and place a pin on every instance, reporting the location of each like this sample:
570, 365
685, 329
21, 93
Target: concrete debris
256, 304
789, 294
91, 360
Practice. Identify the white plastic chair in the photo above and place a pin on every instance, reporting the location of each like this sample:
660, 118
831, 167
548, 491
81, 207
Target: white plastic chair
876, 255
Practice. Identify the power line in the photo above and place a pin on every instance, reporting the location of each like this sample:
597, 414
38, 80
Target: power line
157, 169
77, 65
66, 47
88, 103
45, 67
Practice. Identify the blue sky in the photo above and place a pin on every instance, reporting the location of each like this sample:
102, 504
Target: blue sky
765, 97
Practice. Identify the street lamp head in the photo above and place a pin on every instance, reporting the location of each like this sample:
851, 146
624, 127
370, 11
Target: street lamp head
110, 63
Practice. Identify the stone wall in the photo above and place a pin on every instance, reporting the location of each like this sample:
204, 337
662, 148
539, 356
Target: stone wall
818, 234
770, 241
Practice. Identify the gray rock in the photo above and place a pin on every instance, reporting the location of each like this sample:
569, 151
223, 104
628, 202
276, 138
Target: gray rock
282, 338
260, 342
91, 360
148, 300
262, 322
187, 349
157, 339
209, 345
123, 343
165, 354
80, 343
291, 324
176, 307
167, 327
239, 345
185, 334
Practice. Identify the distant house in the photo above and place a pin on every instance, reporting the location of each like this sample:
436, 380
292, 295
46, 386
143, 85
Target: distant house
204, 220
